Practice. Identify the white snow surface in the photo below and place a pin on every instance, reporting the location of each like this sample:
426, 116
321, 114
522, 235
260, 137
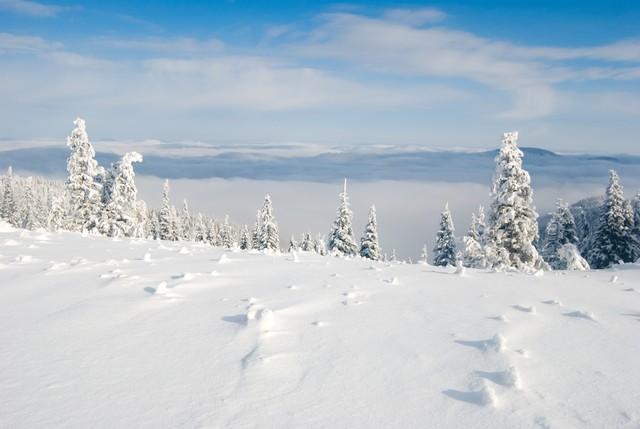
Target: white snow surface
121, 334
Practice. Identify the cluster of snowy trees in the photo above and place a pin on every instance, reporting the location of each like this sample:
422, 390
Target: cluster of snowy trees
104, 201
509, 238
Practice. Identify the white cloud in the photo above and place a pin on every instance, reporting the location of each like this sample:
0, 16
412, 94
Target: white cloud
419, 16
30, 8
176, 45
13, 43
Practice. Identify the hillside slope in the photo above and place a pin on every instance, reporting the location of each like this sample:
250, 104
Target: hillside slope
102, 333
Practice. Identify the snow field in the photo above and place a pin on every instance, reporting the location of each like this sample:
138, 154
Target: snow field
137, 333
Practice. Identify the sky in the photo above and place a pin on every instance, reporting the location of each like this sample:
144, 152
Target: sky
440, 74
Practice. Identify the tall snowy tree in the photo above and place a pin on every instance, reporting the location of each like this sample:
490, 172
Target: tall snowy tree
268, 236
245, 238
319, 245
187, 233
513, 226
369, 245
308, 243
200, 229
166, 218
445, 251
474, 242
424, 255
293, 245
120, 217
341, 241
560, 230
613, 241
56, 217
84, 189
9, 211
226, 234
29, 216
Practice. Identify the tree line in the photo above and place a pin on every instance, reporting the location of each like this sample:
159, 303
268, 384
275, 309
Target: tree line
98, 200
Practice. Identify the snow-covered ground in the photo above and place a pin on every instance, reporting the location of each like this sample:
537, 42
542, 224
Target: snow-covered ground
114, 334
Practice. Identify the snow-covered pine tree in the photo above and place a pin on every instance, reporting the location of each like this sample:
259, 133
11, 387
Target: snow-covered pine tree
255, 232
119, 217
369, 245
29, 217
341, 241
187, 233
474, 242
445, 252
319, 245
199, 229
293, 245
560, 230
268, 238
9, 211
84, 189
245, 238
307, 244
56, 219
613, 241
513, 225
154, 224
226, 234
166, 218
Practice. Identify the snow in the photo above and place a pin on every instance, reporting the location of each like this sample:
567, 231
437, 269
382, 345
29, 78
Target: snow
114, 338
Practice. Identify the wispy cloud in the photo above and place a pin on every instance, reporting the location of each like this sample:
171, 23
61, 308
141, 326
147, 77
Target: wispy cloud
31, 8
14, 43
175, 45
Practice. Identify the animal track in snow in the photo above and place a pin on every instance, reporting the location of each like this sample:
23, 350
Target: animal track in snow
496, 343
524, 308
500, 318
509, 377
581, 315
552, 302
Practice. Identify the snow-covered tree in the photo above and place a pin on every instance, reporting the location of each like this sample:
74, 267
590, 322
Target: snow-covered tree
569, 258
245, 238
83, 183
369, 246
560, 230
445, 251
319, 245
255, 232
167, 221
187, 233
474, 242
226, 234
293, 245
513, 225
341, 241
120, 217
29, 216
200, 229
613, 241
308, 243
268, 237
8, 210
56, 218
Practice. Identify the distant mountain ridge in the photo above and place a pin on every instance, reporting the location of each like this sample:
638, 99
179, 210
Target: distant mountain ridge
546, 167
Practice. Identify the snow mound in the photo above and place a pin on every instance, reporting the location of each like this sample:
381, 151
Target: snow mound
581, 315
525, 308
224, 260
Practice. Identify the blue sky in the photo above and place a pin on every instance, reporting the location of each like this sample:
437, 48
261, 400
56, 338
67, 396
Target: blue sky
440, 74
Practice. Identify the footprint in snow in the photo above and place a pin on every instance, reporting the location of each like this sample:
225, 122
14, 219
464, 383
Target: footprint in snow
581, 315
485, 396
552, 302
500, 318
508, 378
496, 343
525, 308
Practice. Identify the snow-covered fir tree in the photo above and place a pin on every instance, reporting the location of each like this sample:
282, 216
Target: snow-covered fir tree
255, 232
319, 245
445, 251
56, 220
83, 183
119, 217
513, 226
187, 233
369, 245
200, 229
8, 210
29, 216
268, 236
341, 241
293, 245
308, 243
226, 234
245, 238
560, 230
613, 241
474, 242
167, 222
